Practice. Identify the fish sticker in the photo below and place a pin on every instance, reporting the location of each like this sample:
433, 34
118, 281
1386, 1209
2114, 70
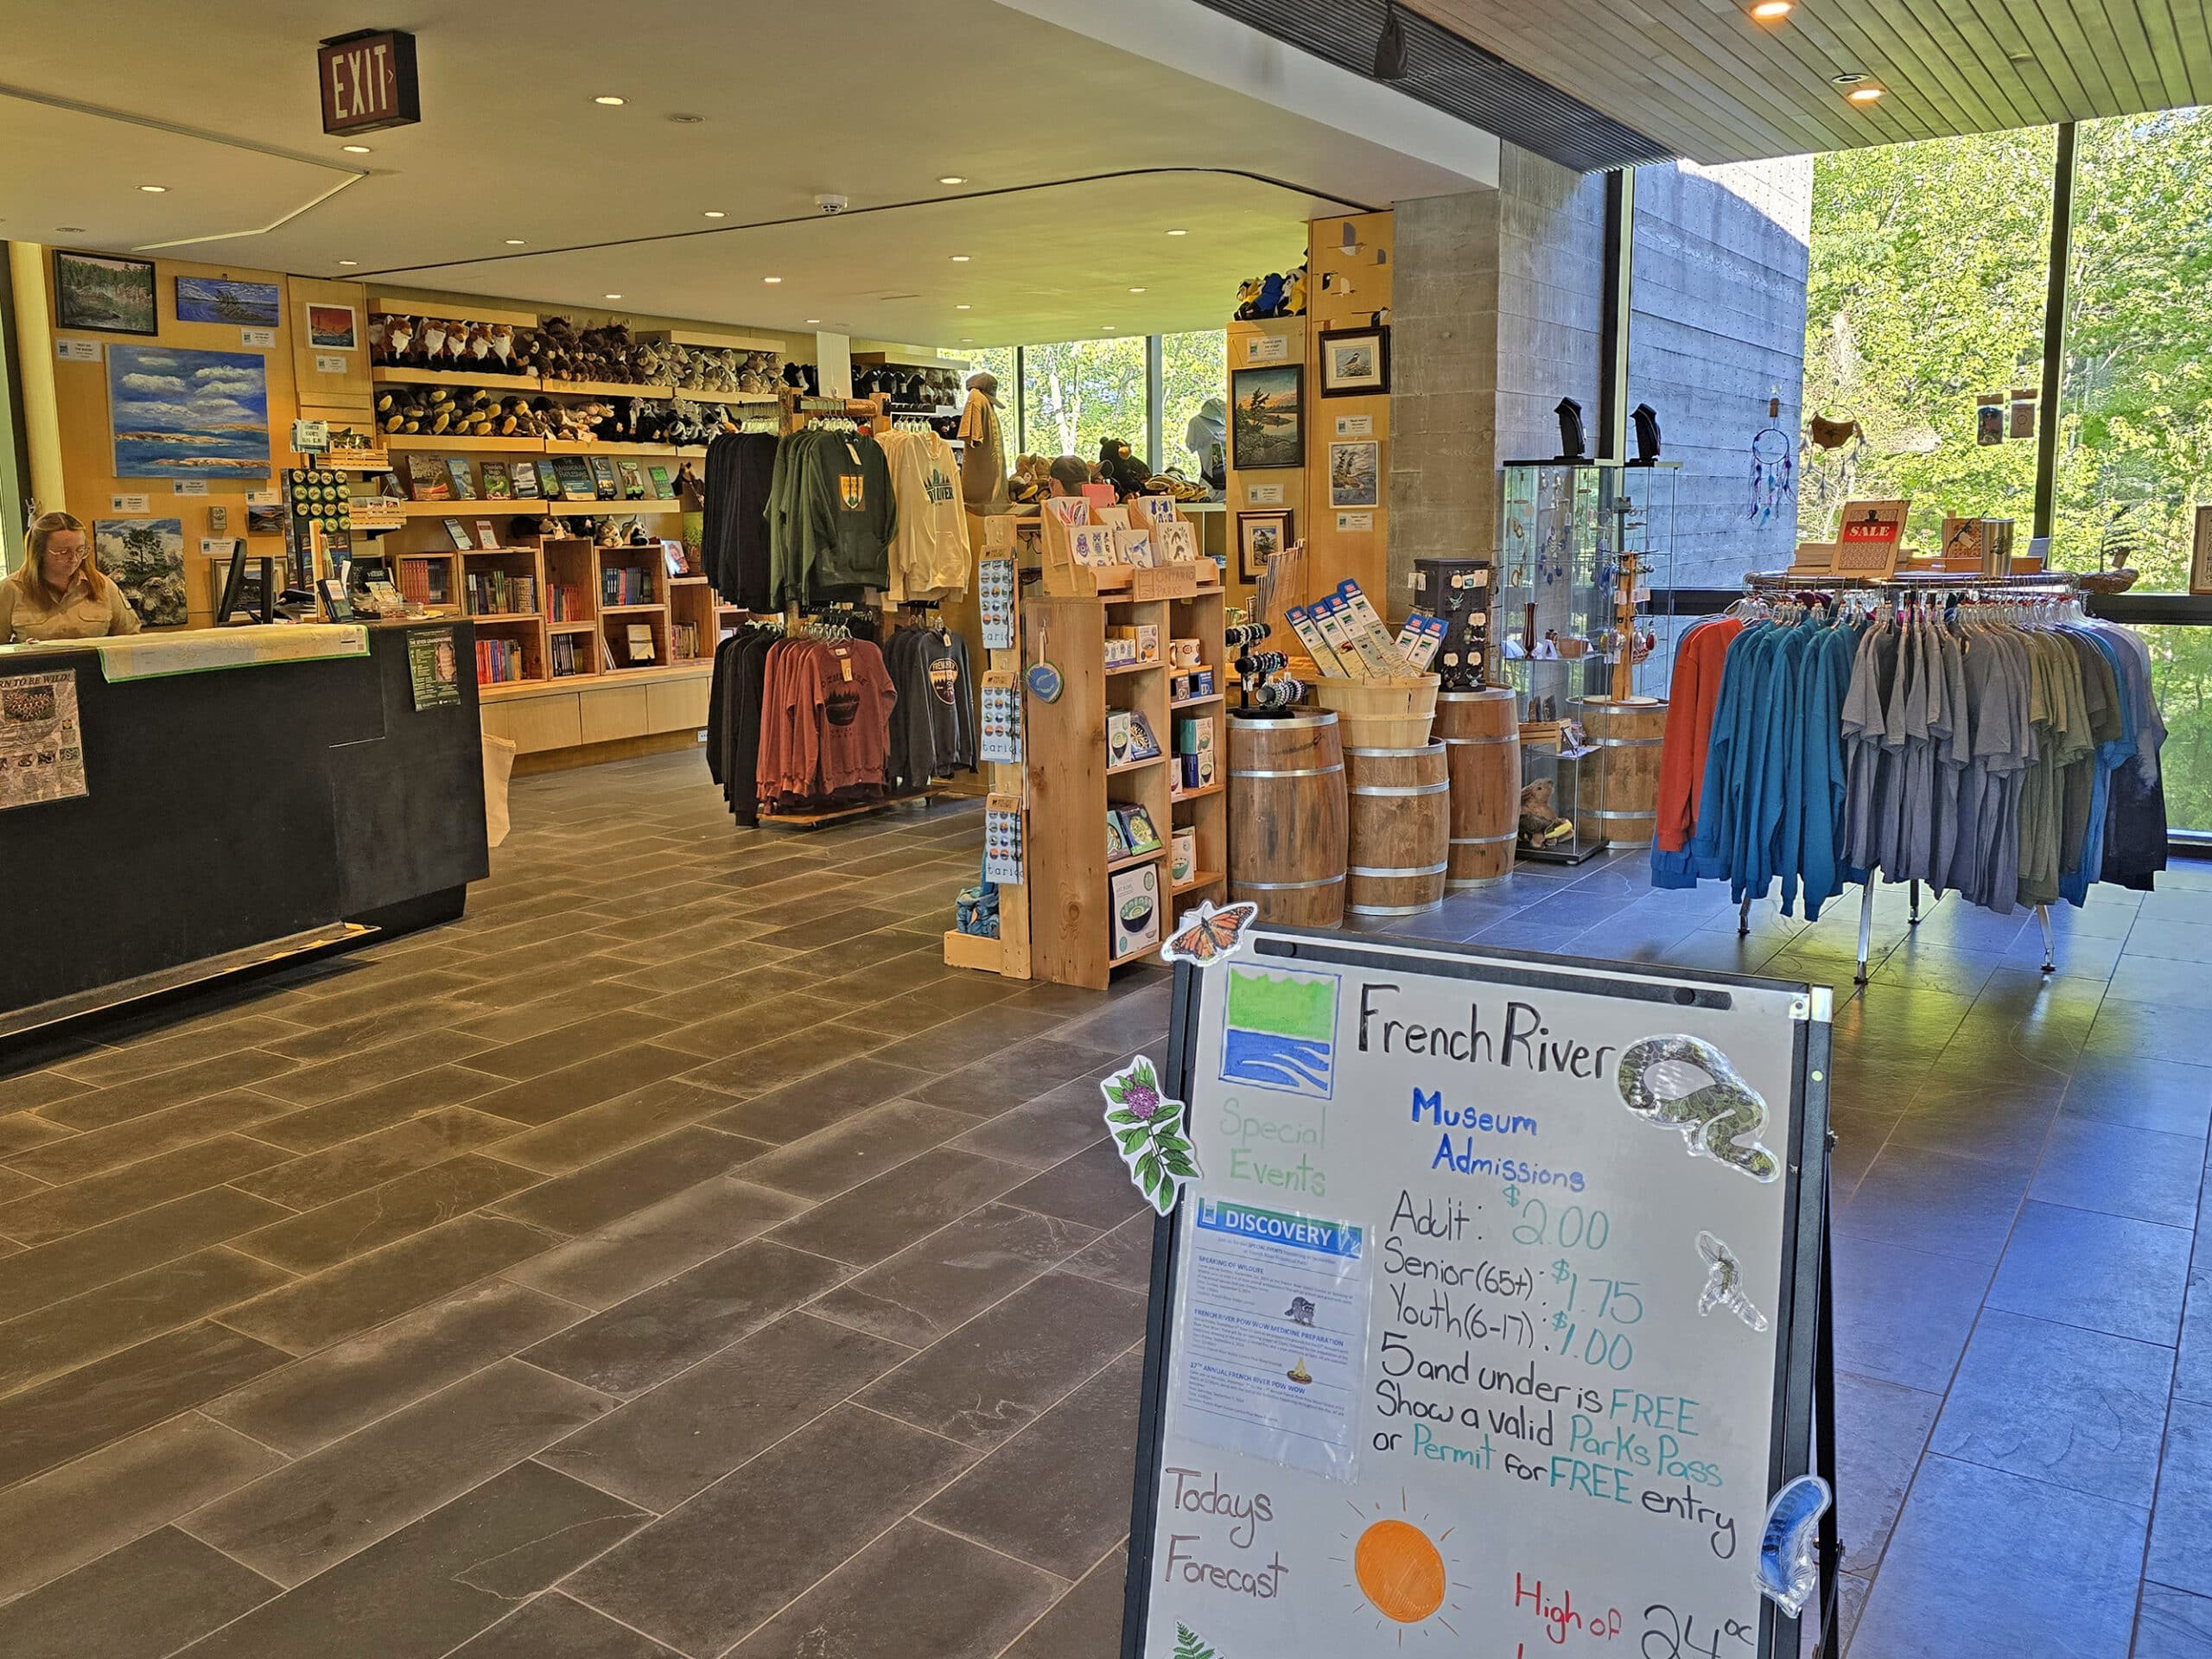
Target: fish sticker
1788, 1569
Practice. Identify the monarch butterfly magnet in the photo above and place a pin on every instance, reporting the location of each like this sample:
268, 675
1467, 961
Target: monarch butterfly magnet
1208, 933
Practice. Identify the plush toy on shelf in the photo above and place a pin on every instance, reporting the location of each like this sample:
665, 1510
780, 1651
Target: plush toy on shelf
1540, 824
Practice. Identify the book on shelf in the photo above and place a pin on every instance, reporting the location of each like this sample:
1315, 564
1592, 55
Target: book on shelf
498, 592
500, 662
548, 481
641, 642
457, 533
464, 482
626, 585
487, 537
661, 485
633, 480
565, 603
565, 656
524, 479
604, 482
497, 486
573, 479
683, 641
415, 579
428, 480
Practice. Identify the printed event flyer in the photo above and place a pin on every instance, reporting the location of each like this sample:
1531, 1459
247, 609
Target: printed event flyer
42, 746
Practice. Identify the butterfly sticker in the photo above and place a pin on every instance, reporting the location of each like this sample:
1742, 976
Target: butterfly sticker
1208, 933
1148, 1129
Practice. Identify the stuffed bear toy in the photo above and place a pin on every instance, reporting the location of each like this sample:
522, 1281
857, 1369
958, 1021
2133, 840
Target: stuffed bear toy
1247, 300
1294, 293
1121, 468
1540, 824
557, 350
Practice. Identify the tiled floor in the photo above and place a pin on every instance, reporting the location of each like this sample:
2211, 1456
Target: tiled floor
672, 1255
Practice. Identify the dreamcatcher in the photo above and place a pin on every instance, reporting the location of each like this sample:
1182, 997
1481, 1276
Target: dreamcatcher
1774, 465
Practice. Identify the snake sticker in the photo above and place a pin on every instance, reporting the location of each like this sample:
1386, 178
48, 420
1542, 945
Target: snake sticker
1711, 1118
1724, 1282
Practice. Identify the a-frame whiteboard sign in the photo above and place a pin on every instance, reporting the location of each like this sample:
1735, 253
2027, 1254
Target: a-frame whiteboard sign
1489, 1328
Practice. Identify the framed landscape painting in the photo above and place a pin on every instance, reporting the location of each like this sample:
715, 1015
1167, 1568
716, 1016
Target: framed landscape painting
1267, 416
1355, 362
209, 299
93, 290
180, 414
145, 556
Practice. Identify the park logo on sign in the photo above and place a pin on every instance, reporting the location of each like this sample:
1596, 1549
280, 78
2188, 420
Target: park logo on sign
1280, 1031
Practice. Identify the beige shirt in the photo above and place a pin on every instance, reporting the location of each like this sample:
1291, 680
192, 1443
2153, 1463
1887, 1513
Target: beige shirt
25, 614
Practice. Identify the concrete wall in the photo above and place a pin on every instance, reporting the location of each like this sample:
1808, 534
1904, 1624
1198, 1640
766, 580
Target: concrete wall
1718, 294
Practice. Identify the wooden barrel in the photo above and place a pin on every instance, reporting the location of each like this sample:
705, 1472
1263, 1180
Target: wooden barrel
1618, 795
1286, 818
1480, 735
1401, 830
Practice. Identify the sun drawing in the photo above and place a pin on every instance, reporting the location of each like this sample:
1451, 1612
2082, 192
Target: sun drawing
1399, 1569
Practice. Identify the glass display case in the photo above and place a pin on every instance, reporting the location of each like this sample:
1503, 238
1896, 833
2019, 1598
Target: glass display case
1584, 580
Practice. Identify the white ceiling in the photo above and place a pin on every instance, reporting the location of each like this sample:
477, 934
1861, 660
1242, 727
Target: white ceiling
872, 100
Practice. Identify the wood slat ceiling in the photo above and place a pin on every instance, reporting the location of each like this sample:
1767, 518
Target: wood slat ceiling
1702, 79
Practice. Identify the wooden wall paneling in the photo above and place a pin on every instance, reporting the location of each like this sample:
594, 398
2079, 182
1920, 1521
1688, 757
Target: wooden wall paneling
674, 705
1065, 746
318, 388
611, 711
554, 720
1291, 480
1332, 553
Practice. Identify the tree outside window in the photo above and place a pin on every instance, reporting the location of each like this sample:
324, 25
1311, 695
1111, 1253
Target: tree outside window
1076, 391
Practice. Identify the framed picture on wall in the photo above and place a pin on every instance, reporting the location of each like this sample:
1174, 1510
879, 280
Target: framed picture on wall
1355, 474
332, 328
1355, 362
95, 290
2199, 552
1259, 537
1267, 416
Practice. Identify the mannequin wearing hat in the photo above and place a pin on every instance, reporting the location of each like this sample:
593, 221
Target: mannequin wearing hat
982, 453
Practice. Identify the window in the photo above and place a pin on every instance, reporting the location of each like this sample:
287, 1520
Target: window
1926, 290
1080, 391
2135, 406
1194, 368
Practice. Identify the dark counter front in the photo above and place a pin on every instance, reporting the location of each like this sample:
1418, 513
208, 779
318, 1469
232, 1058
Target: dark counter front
233, 807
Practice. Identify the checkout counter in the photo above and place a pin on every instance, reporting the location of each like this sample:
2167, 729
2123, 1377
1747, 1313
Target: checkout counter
176, 806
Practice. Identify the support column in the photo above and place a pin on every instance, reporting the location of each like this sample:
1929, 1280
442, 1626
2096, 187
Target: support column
41, 412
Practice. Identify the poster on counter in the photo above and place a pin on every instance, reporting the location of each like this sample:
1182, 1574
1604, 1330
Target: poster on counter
42, 746
1489, 1321
433, 668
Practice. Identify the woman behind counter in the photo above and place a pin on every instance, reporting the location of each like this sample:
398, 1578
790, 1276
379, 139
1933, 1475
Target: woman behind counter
60, 592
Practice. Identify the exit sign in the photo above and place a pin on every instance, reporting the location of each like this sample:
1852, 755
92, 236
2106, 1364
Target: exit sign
368, 81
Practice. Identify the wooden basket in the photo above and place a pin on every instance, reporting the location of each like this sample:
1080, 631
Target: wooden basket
1393, 714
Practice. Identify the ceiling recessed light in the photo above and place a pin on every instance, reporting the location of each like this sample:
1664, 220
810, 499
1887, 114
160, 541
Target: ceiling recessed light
355, 150
1864, 94
714, 212
610, 297
1179, 233
70, 230
959, 258
1770, 11
685, 118
771, 279
349, 262
1136, 291
952, 178
609, 99
515, 241
155, 189
963, 308
1848, 78
1107, 328
967, 339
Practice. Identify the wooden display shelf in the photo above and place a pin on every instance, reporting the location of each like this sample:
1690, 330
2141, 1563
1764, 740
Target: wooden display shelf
527, 506
578, 446
643, 673
388, 376
507, 616
910, 360
1141, 951
592, 509
570, 627
1133, 668
1134, 859
1198, 879
626, 610
1128, 766
973, 951
709, 337
416, 441
471, 313
687, 581
1194, 703
1176, 798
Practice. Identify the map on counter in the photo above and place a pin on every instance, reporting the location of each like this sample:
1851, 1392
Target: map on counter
1477, 1315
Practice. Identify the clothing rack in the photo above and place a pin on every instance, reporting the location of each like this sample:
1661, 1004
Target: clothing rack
1959, 584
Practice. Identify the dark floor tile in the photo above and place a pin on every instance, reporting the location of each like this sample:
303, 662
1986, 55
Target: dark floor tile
26, 1091
570, 1143
353, 1167
663, 1447
43, 1426
314, 1400
877, 1218
145, 1601
1988, 1565
2138, 1030
2172, 1624
586, 1083
915, 1593
301, 1519
65, 1335
1084, 1624
2181, 1529
158, 1091
857, 1149
1903, 1316
1092, 1187
944, 1279
379, 1106
313, 1044
2186, 941
57, 1212
830, 1096
787, 1060
983, 1382
2057, 1403
1121, 1256
96, 1151
1881, 1429
844, 924
2161, 1094
344, 1300
627, 1182
347, 1074
427, 1588
554, 1627
1039, 1497
729, 1559
1934, 1202
581, 1039
384, 1214
647, 1339
2103, 1273
611, 1263
966, 1036
100, 1255
990, 1087
1988, 1120
80, 1511
1039, 1132
2122, 1172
